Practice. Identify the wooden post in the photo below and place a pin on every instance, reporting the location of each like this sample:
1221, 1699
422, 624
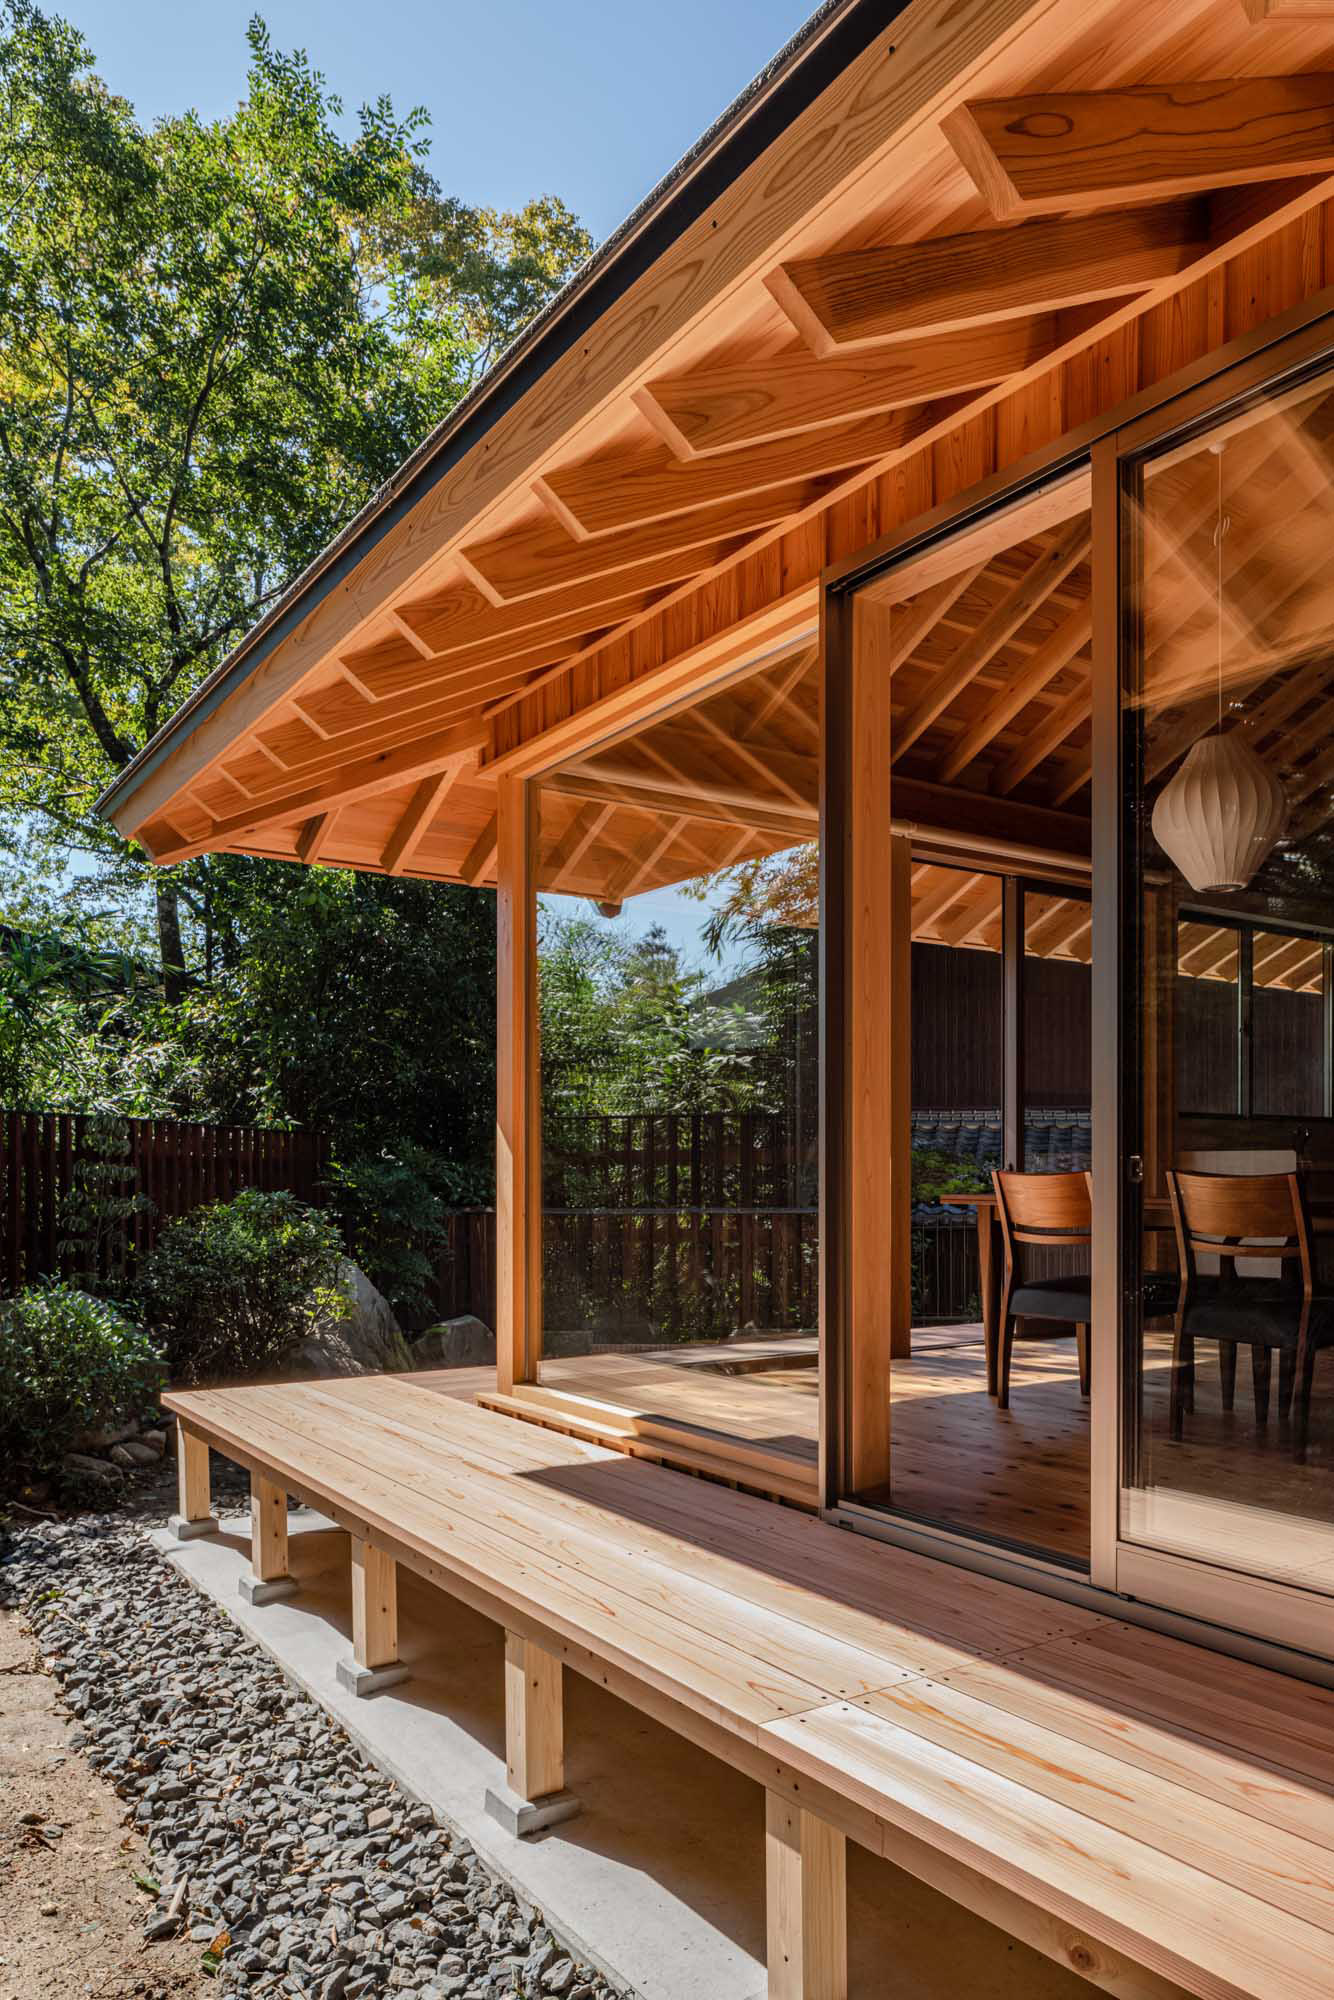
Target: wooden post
863, 889
899, 1010
269, 1578
534, 1740
807, 1898
375, 1663
1013, 1088
193, 1500
518, 1102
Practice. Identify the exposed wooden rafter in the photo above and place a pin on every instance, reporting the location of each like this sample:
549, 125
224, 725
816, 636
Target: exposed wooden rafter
718, 409
1051, 658
859, 298
1091, 149
1048, 570
314, 837
415, 824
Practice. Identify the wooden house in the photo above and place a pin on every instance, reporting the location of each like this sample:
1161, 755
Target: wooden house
938, 468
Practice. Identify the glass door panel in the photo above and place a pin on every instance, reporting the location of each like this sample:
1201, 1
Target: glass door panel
1228, 716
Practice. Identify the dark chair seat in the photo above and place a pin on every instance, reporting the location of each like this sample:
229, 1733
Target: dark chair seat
1066, 1297
1254, 1312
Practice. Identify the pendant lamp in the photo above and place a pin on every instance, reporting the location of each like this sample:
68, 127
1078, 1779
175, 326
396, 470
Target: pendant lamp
1221, 815
1219, 818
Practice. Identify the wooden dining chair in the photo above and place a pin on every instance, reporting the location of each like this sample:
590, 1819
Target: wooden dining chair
1053, 1211
1253, 1217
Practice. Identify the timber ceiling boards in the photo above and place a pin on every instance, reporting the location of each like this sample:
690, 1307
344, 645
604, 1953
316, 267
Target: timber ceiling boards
988, 233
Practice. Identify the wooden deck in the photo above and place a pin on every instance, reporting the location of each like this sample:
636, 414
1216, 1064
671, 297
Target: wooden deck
1157, 1816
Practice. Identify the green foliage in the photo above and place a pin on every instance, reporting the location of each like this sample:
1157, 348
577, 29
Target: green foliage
391, 1207
621, 1028
101, 1203
229, 1288
217, 339
73, 1363
935, 1173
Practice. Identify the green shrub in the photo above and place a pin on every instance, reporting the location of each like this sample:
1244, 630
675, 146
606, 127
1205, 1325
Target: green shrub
71, 1363
391, 1207
228, 1289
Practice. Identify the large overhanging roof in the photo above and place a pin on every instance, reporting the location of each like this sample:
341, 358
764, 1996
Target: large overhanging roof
870, 286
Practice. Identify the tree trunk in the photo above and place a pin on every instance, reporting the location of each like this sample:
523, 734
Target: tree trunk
169, 940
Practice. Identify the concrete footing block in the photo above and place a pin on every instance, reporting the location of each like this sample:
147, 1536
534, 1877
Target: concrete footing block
270, 1592
369, 1680
520, 1816
191, 1531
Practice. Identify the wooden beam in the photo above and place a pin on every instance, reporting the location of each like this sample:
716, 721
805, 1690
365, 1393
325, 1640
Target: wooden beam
954, 810
480, 860
932, 904
1094, 149
416, 822
858, 298
578, 837
914, 621
1039, 580
620, 784
540, 556
1052, 657
680, 682
361, 780
518, 1102
314, 837
1046, 739
779, 693
981, 906
806, 1892
1289, 10
762, 762
640, 871
627, 489
715, 409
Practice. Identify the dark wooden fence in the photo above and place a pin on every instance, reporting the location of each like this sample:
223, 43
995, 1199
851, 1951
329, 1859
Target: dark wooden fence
156, 1168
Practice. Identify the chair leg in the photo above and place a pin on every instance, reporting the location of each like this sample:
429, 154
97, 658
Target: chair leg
1183, 1361
1287, 1379
1260, 1374
1008, 1326
1305, 1372
1082, 1347
1227, 1370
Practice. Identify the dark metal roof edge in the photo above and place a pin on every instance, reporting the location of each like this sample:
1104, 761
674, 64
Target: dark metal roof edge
815, 56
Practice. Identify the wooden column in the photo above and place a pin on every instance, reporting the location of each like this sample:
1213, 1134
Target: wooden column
269, 1578
518, 1101
375, 1663
865, 976
193, 1496
1012, 1017
807, 1898
535, 1795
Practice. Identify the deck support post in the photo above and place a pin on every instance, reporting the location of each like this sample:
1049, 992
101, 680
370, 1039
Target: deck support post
807, 1901
375, 1663
194, 1515
269, 1579
535, 1796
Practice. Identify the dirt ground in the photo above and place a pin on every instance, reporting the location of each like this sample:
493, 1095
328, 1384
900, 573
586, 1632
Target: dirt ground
71, 1914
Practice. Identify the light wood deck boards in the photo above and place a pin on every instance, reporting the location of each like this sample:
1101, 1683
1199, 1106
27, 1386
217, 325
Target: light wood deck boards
1174, 1804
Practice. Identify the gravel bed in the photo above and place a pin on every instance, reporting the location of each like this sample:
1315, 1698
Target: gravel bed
296, 1867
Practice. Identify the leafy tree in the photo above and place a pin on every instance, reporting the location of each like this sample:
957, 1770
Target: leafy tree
216, 340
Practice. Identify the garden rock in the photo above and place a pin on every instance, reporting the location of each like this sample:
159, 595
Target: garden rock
466, 1342
80, 1465
366, 1340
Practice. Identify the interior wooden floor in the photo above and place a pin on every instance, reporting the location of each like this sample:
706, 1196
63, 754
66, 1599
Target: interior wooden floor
1018, 1476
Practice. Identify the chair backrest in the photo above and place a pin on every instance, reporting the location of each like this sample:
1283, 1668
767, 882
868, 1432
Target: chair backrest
1050, 1209
1234, 1215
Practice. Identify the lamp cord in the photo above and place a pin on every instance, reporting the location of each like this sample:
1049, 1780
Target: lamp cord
1224, 522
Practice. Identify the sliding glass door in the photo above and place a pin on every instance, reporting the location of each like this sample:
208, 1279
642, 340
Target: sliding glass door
1226, 825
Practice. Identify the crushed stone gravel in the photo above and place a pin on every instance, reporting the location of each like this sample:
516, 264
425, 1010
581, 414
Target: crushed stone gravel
295, 1867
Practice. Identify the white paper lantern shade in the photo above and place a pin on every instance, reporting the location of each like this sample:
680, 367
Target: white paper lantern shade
1220, 816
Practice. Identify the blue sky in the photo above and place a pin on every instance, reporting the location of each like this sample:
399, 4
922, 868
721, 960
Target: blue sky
593, 100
